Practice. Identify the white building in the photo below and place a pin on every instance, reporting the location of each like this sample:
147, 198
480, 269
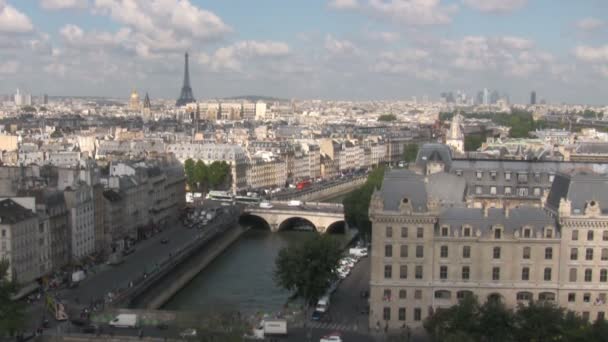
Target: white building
260, 110
455, 136
79, 201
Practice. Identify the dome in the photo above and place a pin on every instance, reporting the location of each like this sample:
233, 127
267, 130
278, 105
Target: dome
134, 95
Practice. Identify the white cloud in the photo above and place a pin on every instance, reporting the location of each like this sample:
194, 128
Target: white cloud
63, 4
343, 4
384, 36
413, 12
230, 57
9, 67
590, 24
592, 54
13, 21
75, 36
339, 47
495, 6
416, 63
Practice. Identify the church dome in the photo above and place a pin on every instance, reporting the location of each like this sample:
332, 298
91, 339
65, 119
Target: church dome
134, 95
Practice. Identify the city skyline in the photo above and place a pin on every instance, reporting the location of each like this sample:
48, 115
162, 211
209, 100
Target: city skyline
338, 49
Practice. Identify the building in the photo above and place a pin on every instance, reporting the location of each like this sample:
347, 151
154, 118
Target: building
134, 101
19, 242
79, 202
146, 109
455, 137
533, 98
431, 247
260, 110
18, 98
266, 174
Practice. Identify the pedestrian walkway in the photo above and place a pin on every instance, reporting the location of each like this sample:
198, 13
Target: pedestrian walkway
334, 326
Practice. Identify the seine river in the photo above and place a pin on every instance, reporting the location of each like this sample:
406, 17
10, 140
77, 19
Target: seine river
241, 279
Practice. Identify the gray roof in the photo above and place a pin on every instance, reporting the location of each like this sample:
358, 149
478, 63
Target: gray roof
537, 218
435, 152
579, 189
446, 188
400, 184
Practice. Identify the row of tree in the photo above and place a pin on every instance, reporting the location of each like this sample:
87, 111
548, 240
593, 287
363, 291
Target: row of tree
356, 203
541, 321
203, 177
12, 316
521, 122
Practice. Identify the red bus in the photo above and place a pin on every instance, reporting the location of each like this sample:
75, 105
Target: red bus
303, 185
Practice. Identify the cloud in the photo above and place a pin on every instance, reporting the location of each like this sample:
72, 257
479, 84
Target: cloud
383, 36
9, 67
413, 12
343, 4
590, 24
495, 6
75, 36
416, 63
339, 47
592, 54
63, 4
230, 57
13, 21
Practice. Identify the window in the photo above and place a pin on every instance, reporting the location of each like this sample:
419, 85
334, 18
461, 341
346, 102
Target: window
387, 295
418, 294
419, 251
507, 190
404, 232
402, 314
403, 251
462, 294
419, 272
402, 294
546, 296
586, 297
443, 272
549, 233
3, 232
536, 191
575, 235
386, 314
467, 232
589, 254
496, 252
479, 174
571, 297
588, 275
443, 252
547, 276
417, 314
590, 235
492, 190
527, 233
445, 231
527, 296
548, 253
478, 190
497, 233
495, 273
466, 252
420, 232
605, 235
403, 272
388, 271
389, 232
466, 272
522, 177
604, 254
525, 273
572, 276
388, 251
551, 177
522, 192
508, 176
526, 253
493, 175
574, 254
603, 275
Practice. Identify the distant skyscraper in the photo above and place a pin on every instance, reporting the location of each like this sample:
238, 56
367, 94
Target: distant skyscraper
494, 97
486, 96
18, 98
186, 95
533, 98
45, 99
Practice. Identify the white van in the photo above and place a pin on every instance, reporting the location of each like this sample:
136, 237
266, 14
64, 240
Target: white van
323, 304
266, 205
294, 203
124, 321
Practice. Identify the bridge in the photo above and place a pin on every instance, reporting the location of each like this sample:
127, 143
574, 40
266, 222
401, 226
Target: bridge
324, 217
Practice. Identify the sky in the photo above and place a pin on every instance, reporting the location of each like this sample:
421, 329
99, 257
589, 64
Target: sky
307, 49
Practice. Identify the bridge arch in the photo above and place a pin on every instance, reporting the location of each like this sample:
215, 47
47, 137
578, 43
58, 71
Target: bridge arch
337, 227
297, 223
254, 221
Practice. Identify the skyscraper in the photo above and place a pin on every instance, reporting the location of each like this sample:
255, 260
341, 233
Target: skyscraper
486, 96
186, 95
45, 99
533, 98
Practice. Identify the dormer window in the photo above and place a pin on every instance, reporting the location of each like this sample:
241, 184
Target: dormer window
466, 232
479, 174
549, 233
445, 231
508, 176
458, 172
493, 175
551, 178
497, 233
527, 233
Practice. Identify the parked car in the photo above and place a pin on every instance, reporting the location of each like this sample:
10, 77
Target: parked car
164, 241
333, 337
316, 315
188, 333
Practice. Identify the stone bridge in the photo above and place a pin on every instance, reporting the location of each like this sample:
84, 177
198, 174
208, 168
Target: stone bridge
325, 217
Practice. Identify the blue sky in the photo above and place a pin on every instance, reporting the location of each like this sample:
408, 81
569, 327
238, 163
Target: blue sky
329, 49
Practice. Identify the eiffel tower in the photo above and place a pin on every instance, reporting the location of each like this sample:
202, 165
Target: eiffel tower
186, 95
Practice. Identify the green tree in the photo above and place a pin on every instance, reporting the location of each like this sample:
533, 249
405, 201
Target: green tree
28, 109
56, 134
356, 203
496, 322
410, 152
189, 169
12, 317
308, 269
539, 322
473, 141
201, 174
387, 117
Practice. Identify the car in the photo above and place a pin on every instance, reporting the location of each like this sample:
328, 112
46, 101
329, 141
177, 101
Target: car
164, 241
188, 333
333, 337
89, 329
316, 315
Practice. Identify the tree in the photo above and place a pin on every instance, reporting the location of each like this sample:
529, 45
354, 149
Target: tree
12, 317
356, 203
473, 141
56, 134
495, 322
308, 269
410, 152
387, 117
539, 322
189, 168
201, 173
28, 109
218, 173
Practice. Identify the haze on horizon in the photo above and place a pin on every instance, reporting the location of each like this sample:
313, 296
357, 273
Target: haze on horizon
328, 49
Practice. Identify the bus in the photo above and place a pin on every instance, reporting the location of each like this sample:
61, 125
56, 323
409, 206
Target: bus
221, 196
247, 199
303, 185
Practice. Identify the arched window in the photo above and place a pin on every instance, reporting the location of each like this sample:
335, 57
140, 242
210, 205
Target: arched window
494, 297
443, 294
464, 293
548, 296
524, 296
